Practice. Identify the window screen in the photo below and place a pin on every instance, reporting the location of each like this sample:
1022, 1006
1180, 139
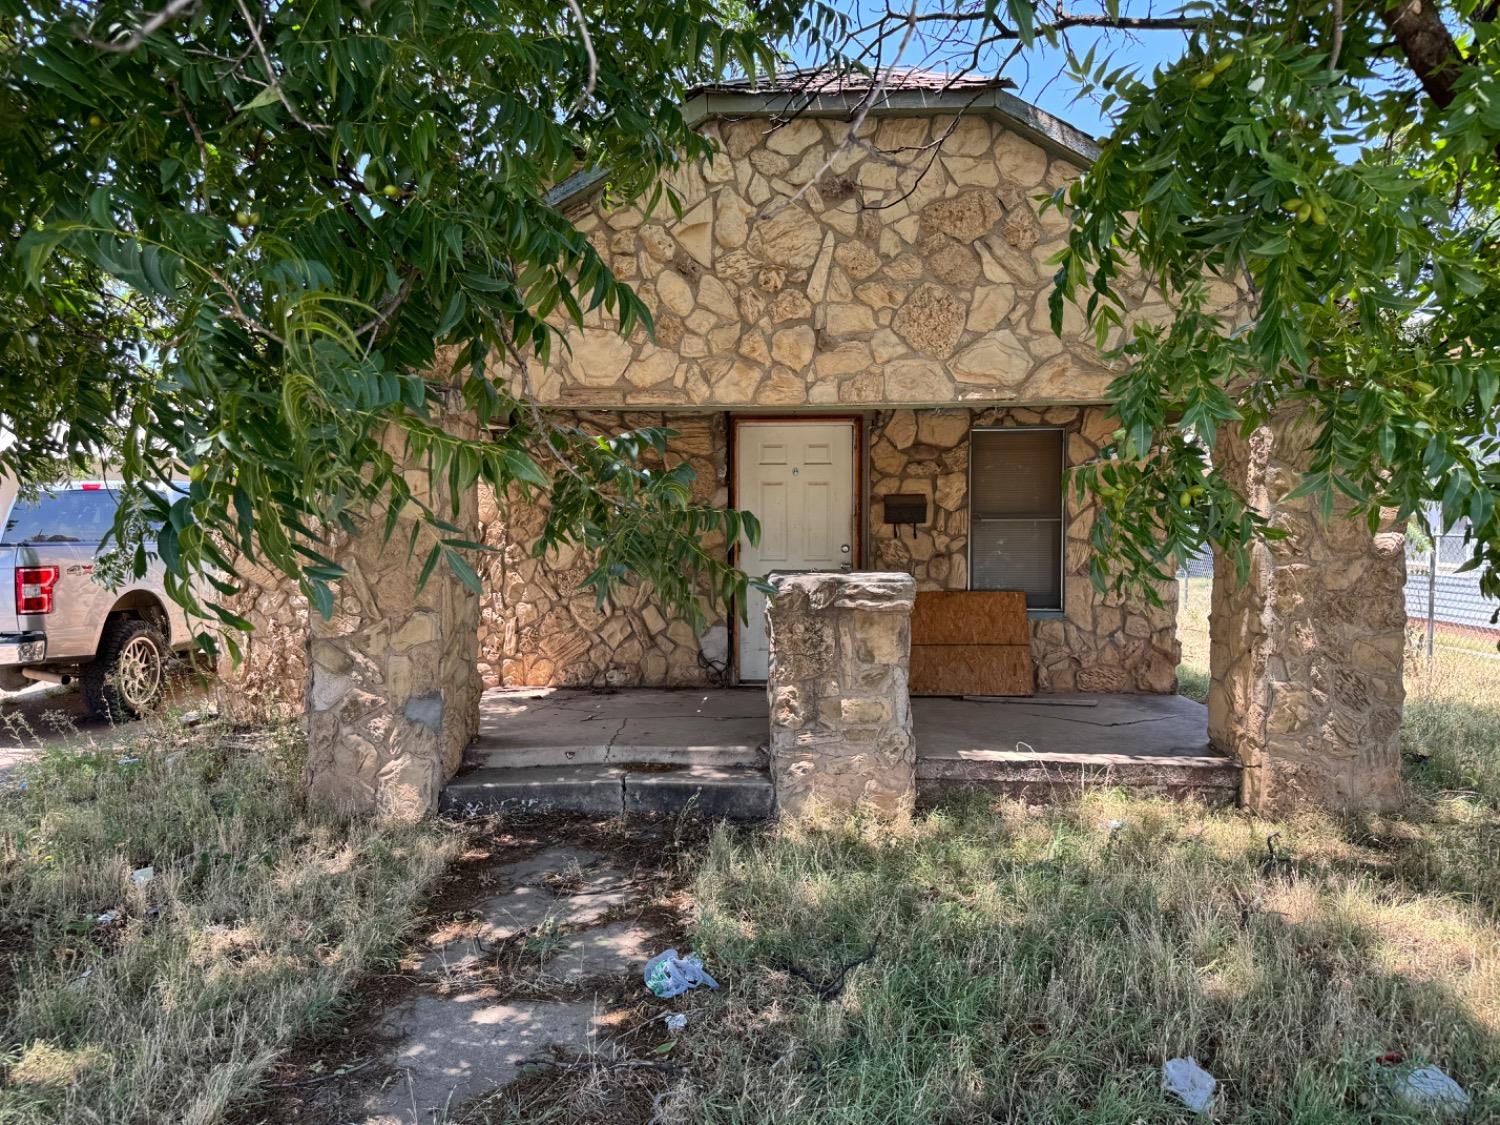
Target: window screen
1016, 513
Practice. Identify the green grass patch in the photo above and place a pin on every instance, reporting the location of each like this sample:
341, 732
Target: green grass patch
167, 1001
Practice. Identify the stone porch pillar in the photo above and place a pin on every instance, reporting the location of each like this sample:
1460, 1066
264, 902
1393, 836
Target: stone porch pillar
1306, 655
393, 678
841, 733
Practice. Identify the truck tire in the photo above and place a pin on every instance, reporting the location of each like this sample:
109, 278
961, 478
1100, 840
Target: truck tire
129, 675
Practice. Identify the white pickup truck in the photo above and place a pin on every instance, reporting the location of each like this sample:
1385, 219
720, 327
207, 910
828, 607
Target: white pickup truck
58, 624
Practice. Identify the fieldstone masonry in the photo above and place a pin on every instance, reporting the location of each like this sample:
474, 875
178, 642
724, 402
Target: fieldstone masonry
393, 684
915, 271
540, 628
841, 734
270, 681
1306, 655
1100, 642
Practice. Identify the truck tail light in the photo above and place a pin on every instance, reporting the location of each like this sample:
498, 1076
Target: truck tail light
34, 588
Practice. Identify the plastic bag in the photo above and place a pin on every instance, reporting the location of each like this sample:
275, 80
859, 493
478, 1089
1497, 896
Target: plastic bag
1427, 1087
668, 975
1190, 1082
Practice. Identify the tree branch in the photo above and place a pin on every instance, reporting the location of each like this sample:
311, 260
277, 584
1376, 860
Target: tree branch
1064, 21
153, 23
1427, 45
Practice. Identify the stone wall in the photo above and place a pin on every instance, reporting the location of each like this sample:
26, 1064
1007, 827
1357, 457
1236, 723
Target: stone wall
269, 683
841, 733
1306, 654
539, 628
1103, 643
393, 687
894, 279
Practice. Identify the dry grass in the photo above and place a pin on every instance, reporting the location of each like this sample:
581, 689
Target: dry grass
1039, 964
261, 914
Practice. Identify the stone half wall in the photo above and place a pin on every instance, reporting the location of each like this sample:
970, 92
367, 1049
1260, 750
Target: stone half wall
913, 271
1104, 643
539, 628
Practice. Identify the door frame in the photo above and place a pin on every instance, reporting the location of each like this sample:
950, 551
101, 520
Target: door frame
857, 486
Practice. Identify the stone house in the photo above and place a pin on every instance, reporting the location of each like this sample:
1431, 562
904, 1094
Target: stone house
852, 341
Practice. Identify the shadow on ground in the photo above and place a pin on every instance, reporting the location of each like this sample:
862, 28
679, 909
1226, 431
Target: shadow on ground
521, 988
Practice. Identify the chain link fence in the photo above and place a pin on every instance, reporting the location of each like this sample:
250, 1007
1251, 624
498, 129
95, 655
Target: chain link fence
1443, 603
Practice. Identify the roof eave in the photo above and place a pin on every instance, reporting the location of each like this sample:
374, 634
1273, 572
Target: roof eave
1052, 134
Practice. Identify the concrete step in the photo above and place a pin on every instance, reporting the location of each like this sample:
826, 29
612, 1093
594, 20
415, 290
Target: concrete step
1212, 779
731, 792
734, 755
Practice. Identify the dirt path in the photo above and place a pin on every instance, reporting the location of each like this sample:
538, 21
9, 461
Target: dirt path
521, 995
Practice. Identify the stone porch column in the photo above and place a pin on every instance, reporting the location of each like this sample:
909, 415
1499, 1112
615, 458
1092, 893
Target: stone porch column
1306, 656
393, 679
841, 733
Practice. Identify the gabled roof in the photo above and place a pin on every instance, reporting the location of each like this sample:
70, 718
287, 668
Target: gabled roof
905, 91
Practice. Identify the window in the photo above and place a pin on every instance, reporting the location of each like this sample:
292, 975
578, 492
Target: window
1016, 513
73, 516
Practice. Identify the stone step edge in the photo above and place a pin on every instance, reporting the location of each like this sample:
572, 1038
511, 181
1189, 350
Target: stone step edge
1185, 772
735, 792
745, 755
1220, 794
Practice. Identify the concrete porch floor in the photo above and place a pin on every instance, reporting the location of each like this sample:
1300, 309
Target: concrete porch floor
642, 750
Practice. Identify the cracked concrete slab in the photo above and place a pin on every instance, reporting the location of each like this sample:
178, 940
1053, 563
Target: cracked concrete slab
581, 727
1119, 728
568, 886
452, 1049
606, 951
570, 726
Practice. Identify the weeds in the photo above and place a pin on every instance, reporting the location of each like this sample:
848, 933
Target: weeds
1038, 964
167, 1001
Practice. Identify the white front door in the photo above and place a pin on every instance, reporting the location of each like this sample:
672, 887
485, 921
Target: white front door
797, 478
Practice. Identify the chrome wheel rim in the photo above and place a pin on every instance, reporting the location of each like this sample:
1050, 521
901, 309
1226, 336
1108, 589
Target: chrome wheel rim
138, 673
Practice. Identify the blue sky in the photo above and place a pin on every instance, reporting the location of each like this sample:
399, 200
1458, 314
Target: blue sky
1039, 71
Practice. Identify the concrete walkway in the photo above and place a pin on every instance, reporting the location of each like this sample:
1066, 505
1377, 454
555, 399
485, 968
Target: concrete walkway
459, 1036
528, 967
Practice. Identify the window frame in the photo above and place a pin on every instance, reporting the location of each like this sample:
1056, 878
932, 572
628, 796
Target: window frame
1061, 609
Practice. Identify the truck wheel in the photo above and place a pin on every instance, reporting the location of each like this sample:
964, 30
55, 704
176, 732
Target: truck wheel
128, 676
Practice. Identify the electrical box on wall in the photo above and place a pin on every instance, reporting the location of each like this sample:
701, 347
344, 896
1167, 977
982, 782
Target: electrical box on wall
909, 508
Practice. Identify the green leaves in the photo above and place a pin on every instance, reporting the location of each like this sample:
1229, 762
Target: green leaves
240, 248
1366, 283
